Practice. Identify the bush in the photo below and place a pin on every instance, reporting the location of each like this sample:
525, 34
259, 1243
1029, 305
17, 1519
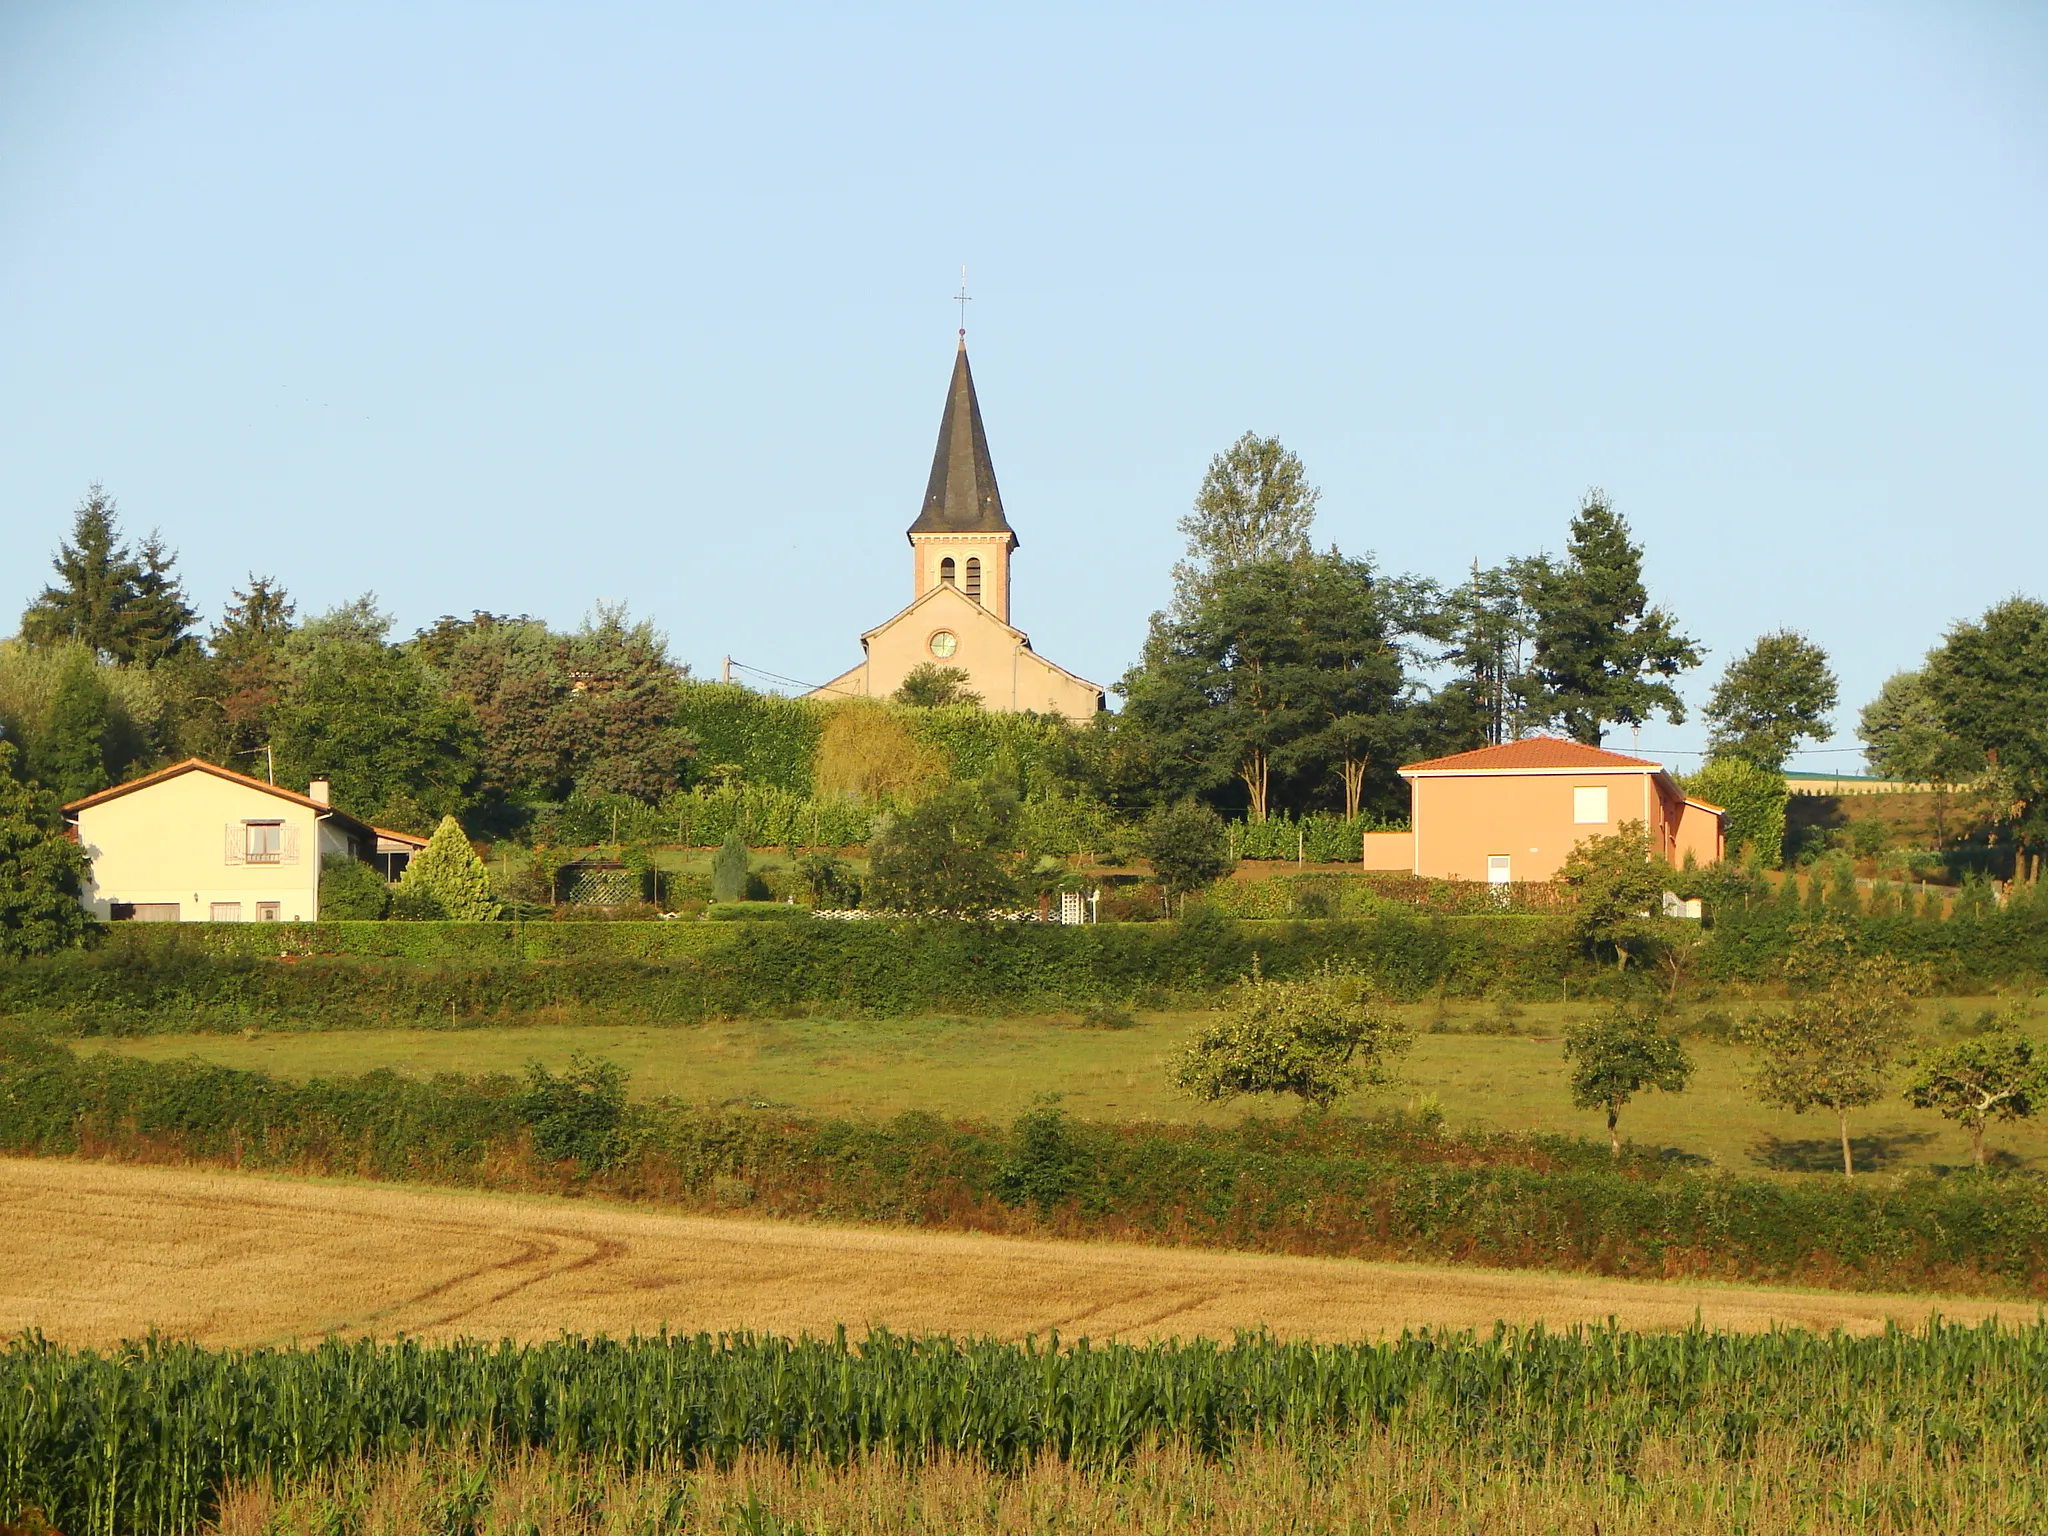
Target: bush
351, 891
447, 879
576, 1117
1755, 799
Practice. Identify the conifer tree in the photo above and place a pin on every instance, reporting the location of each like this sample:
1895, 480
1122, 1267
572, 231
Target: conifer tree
123, 607
448, 871
69, 756
41, 870
729, 869
1603, 653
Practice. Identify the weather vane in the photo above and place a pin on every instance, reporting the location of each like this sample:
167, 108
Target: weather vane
962, 298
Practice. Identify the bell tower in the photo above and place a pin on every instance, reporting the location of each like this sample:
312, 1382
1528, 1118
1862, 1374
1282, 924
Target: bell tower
961, 537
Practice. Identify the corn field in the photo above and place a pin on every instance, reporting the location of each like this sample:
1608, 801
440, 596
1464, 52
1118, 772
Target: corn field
149, 1438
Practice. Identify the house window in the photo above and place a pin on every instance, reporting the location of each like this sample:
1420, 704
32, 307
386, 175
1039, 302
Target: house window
145, 912
225, 912
263, 842
944, 644
974, 578
946, 571
269, 911
1589, 807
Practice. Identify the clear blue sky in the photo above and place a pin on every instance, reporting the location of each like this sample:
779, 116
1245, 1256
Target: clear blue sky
521, 307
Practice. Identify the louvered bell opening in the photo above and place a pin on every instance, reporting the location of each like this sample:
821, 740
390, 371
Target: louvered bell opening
947, 575
974, 579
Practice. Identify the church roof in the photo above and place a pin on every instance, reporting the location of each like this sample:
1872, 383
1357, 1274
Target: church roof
962, 496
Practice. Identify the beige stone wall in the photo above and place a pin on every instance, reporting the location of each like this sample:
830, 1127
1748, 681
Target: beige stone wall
929, 551
1000, 667
178, 841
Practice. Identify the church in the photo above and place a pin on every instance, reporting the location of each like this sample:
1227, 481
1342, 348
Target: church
959, 615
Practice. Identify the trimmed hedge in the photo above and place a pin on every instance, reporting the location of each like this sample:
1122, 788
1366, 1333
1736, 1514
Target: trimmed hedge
1313, 1185
150, 978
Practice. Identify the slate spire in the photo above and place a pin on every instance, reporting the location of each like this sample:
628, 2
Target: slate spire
962, 495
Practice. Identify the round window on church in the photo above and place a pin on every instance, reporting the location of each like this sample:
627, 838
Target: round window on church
944, 644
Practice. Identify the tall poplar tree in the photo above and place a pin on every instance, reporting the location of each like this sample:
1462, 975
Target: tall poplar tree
1255, 505
1602, 652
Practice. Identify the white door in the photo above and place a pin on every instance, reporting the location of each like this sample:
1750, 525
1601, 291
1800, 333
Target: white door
1497, 869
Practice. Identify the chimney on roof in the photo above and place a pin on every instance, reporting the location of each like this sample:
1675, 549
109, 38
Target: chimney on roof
319, 790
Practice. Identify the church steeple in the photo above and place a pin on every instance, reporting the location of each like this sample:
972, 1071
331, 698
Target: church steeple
961, 497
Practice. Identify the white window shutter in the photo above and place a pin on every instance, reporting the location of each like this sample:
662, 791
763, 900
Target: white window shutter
237, 843
288, 853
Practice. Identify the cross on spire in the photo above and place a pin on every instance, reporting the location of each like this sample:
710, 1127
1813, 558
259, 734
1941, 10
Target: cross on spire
963, 299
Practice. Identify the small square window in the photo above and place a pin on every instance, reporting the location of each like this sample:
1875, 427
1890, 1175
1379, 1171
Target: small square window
265, 841
1589, 806
225, 912
269, 911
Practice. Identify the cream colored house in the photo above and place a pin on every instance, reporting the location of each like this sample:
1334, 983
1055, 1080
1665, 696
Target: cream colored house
959, 616
199, 843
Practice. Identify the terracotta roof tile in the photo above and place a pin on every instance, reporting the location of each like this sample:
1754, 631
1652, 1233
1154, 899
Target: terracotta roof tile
1531, 752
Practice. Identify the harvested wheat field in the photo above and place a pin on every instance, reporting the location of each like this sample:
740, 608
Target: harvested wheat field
102, 1252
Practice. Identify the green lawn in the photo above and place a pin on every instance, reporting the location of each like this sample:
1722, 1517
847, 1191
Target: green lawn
993, 1068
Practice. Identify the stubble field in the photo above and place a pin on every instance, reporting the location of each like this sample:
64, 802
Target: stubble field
101, 1252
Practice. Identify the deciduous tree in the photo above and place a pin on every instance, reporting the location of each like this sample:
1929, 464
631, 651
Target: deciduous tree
1775, 695
1755, 799
1188, 846
1283, 673
1317, 1039
1989, 680
1904, 738
1615, 886
1602, 652
1996, 1076
1616, 1056
1255, 505
931, 686
1833, 1045
369, 716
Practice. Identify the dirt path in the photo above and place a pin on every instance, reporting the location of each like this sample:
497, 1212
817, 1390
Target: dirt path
100, 1252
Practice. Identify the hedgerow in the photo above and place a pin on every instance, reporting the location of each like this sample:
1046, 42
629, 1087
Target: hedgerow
1331, 1185
366, 975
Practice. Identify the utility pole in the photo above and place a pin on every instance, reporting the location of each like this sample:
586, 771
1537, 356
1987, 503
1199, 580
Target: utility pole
726, 675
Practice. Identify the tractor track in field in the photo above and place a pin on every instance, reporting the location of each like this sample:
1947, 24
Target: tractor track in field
115, 1251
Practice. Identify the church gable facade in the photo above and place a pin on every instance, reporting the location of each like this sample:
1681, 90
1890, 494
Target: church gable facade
959, 615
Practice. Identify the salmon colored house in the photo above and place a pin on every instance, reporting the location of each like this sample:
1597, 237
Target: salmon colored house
1515, 811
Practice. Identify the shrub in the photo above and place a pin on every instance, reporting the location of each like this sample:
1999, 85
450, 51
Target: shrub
729, 869
945, 857
575, 1116
448, 874
41, 871
1188, 847
1755, 799
352, 891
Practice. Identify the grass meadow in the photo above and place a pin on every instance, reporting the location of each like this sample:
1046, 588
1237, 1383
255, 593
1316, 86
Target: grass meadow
995, 1068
